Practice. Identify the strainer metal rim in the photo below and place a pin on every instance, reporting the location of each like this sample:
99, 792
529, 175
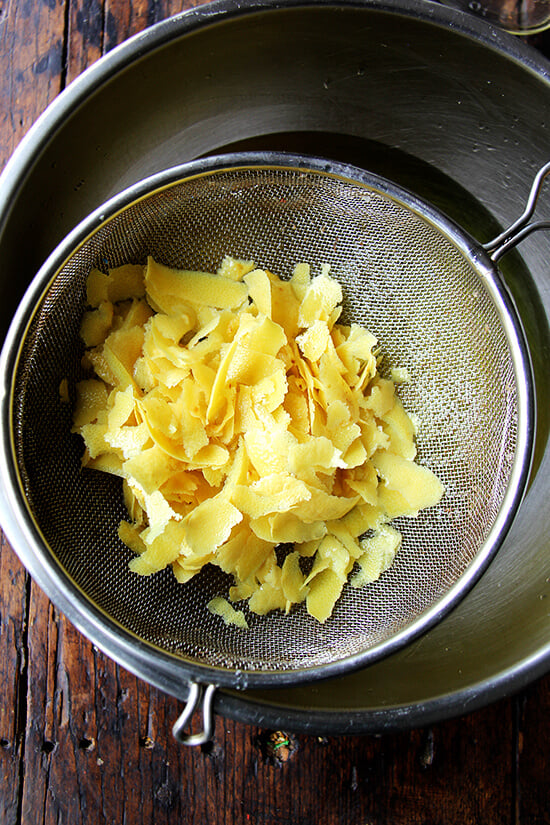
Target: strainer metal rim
169, 671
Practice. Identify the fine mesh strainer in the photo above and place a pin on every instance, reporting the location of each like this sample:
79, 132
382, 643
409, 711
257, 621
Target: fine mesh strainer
434, 299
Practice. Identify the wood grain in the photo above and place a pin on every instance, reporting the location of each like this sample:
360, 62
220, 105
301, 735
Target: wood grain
31, 60
96, 729
532, 798
13, 679
82, 741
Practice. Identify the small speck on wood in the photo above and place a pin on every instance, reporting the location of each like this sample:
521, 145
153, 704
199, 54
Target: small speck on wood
277, 747
212, 750
427, 750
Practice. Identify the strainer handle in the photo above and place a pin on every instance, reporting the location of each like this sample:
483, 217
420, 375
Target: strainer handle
521, 228
203, 696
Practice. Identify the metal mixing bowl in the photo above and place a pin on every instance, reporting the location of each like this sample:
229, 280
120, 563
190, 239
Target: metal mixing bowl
437, 102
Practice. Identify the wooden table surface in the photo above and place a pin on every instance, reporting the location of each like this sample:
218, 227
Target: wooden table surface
84, 741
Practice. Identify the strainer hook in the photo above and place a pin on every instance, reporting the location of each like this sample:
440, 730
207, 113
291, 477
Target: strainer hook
521, 228
199, 696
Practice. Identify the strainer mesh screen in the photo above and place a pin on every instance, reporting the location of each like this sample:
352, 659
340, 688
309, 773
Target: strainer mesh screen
404, 280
